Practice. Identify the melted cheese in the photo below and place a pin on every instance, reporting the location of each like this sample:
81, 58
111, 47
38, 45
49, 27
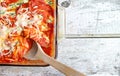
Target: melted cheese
6, 31
2, 10
25, 1
23, 20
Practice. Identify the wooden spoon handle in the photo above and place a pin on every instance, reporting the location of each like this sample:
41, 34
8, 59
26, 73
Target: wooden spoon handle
68, 71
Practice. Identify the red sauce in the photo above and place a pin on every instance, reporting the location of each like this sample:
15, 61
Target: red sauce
7, 2
10, 1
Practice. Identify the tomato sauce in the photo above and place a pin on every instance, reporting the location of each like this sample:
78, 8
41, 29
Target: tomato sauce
10, 1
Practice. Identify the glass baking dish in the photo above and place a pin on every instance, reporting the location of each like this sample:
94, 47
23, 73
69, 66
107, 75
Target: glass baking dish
54, 44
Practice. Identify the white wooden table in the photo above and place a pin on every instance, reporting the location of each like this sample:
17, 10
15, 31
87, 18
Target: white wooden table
92, 56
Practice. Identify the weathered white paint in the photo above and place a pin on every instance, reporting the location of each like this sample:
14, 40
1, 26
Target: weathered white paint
92, 56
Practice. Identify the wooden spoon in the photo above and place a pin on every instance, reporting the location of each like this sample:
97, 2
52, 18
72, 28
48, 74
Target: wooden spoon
36, 53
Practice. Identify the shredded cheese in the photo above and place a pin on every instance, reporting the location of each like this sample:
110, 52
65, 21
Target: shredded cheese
4, 32
22, 20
